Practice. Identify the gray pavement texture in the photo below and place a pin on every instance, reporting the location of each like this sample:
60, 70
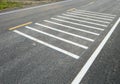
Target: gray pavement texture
105, 69
25, 61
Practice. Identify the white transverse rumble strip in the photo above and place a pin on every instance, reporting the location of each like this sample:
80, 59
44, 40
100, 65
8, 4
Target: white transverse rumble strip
59, 38
105, 19
75, 35
103, 16
91, 27
70, 27
86, 18
88, 64
97, 13
46, 44
88, 26
82, 21
94, 18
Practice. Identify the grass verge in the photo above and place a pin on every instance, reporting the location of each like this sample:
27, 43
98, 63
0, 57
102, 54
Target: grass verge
5, 5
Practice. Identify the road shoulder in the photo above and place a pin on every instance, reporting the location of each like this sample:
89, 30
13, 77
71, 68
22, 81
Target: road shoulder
105, 69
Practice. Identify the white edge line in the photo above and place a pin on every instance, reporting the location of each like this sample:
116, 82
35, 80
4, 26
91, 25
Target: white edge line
14, 11
48, 45
86, 67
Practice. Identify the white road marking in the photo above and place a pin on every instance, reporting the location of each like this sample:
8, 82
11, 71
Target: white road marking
105, 19
91, 27
90, 3
19, 10
103, 16
75, 35
59, 38
74, 28
73, 15
48, 45
82, 21
98, 13
90, 61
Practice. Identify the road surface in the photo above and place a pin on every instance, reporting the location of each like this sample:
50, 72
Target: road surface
68, 42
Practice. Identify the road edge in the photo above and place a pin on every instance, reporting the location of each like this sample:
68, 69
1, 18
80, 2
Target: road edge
92, 58
19, 10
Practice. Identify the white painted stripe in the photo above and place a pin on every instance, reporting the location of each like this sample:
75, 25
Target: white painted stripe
75, 35
105, 19
74, 28
73, 15
19, 10
103, 16
91, 27
82, 21
90, 61
59, 38
98, 13
48, 45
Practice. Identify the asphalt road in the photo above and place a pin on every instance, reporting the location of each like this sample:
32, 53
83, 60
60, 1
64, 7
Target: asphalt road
58, 43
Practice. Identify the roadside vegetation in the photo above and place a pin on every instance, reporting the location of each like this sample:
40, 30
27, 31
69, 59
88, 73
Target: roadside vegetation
5, 4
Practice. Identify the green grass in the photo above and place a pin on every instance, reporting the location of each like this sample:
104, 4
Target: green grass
4, 5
